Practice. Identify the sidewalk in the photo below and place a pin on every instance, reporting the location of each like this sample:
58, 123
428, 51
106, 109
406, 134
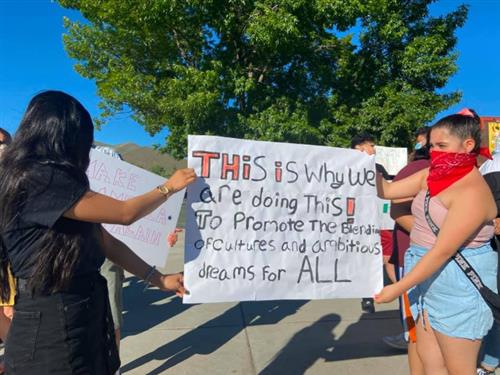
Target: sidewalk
163, 336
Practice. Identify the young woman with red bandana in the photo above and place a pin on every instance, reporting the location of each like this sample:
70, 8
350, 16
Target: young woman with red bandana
451, 315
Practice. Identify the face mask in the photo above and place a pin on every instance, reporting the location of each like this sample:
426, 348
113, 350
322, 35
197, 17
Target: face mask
418, 146
447, 168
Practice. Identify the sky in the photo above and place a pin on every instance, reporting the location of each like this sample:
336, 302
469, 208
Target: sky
32, 59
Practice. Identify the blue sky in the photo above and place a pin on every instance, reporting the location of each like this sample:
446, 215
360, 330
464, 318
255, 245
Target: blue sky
33, 59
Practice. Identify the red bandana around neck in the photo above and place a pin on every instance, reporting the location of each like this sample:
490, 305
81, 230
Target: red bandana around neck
447, 168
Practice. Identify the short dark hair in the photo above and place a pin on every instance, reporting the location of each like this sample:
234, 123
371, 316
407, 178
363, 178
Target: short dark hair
463, 127
361, 138
424, 130
421, 153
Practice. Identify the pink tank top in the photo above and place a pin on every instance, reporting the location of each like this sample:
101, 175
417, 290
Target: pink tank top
421, 234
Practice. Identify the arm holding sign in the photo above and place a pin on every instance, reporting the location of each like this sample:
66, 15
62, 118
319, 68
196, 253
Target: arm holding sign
467, 211
405, 188
119, 253
98, 208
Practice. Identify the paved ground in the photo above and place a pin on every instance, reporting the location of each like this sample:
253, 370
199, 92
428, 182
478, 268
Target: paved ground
163, 336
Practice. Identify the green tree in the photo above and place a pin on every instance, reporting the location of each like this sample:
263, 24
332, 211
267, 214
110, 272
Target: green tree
304, 71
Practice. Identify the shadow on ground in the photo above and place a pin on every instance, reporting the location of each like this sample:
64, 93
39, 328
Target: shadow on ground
139, 317
361, 339
203, 341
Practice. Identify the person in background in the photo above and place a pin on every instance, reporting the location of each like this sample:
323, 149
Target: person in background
365, 142
5, 139
420, 141
401, 213
450, 314
53, 238
6, 306
490, 354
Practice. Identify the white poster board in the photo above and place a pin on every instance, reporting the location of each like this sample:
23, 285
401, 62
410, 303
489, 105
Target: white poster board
272, 221
118, 179
384, 210
392, 158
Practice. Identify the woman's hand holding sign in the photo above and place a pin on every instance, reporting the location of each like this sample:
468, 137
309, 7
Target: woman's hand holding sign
388, 293
173, 283
98, 208
180, 179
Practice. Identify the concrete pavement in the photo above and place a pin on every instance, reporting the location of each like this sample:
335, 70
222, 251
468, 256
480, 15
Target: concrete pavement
163, 336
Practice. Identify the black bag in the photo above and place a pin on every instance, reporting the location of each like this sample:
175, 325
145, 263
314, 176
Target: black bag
491, 298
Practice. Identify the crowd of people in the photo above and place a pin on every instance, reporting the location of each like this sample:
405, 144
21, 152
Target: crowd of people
53, 247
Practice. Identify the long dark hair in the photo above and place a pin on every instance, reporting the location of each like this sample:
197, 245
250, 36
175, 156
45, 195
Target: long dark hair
55, 130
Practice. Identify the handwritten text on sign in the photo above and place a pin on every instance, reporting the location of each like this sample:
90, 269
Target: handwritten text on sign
280, 221
120, 180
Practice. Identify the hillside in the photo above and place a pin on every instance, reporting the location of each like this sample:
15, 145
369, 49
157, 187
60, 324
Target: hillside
148, 158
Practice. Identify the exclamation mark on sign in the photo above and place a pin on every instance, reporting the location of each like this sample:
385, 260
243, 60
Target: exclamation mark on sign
351, 209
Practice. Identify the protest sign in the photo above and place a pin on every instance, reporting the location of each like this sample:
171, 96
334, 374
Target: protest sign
491, 126
280, 221
384, 210
392, 158
120, 180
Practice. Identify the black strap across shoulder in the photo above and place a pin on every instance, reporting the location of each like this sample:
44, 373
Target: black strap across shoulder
459, 259
491, 298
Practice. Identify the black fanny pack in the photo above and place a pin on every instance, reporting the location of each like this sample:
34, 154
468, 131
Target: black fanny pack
491, 298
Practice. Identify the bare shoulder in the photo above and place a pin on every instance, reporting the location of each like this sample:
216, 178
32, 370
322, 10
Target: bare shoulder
478, 184
476, 194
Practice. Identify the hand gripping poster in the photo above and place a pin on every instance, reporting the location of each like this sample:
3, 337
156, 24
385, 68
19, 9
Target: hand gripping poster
270, 221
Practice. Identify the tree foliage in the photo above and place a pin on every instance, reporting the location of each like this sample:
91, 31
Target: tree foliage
304, 71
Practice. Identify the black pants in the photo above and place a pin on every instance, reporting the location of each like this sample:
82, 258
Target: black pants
69, 332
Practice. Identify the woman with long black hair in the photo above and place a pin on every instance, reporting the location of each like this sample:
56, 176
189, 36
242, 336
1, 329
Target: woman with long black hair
52, 238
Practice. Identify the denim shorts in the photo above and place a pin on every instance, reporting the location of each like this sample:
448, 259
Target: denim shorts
454, 306
63, 333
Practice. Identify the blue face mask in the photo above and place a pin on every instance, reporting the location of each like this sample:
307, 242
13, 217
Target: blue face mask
418, 146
